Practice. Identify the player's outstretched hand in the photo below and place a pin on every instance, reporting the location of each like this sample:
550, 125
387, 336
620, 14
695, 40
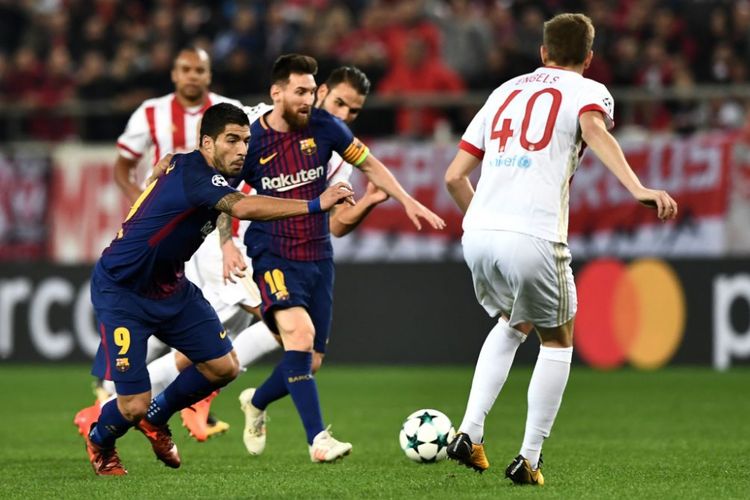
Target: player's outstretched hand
160, 168
341, 192
666, 207
234, 262
416, 211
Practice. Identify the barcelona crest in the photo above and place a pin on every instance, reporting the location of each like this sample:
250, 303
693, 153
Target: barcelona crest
308, 146
122, 364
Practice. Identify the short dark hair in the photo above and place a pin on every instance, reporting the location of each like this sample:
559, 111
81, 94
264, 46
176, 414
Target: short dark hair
292, 63
217, 117
350, 75
568, 38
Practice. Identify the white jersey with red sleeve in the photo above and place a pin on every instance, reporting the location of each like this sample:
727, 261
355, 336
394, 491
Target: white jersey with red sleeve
162, 125
529, 140
338, 169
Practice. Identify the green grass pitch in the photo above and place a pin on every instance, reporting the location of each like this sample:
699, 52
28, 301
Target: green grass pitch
676, 433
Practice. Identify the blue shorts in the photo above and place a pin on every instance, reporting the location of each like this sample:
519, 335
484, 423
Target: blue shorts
288, 283
125, 321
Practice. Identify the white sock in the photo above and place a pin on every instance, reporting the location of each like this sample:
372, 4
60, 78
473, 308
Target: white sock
162, 371
109, 386
490, 374
545, 395
253, 343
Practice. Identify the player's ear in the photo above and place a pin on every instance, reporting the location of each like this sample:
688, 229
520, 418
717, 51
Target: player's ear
543, 54
275, 92
321, 93
207, 143
587, 61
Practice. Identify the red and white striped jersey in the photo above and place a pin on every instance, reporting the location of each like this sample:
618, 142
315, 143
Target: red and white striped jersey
160, 126
529, 140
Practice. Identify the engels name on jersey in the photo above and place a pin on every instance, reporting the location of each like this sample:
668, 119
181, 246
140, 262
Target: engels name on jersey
537, 77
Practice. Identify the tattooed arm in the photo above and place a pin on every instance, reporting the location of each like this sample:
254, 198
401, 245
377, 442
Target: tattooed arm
224, 225
232, 259
258, 207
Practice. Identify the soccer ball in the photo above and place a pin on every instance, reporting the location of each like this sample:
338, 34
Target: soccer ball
425, 435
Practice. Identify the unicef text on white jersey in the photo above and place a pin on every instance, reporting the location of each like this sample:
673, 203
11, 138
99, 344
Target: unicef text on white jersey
517, 161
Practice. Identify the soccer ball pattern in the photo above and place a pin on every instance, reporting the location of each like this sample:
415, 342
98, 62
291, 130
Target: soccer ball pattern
425, 435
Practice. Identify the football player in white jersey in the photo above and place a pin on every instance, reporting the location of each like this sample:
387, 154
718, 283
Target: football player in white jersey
162, 125
167, 124
528, 139
225, 279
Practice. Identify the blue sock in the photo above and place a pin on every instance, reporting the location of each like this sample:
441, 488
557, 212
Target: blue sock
271, 390
299, 380
189, 387
111, 425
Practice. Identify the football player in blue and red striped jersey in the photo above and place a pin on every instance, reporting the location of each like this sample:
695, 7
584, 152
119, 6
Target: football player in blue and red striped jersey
139, 289
288, 156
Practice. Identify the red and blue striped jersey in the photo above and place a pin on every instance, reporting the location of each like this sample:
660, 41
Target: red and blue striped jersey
294, 165
165, 226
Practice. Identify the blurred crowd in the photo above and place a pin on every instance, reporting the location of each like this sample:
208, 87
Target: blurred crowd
59, 52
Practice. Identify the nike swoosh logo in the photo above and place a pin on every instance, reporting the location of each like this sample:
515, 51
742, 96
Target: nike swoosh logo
268, 158
294, 186
169, 169
223, 334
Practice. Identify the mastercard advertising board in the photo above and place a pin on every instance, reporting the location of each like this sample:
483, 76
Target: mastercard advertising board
647, 313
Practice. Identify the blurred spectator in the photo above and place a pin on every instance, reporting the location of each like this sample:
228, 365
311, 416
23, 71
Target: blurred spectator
155, 79
24, 77
95, 84
244, 33
56, 88
241, 75
419, 73
14, 21
407, 19
95, 33
496, 68
365, 46
466, 38
529, 35
626, 61
686, 114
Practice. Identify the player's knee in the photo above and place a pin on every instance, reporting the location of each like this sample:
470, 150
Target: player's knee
220, 371
298, 340
317, 362
225, 371
133, 408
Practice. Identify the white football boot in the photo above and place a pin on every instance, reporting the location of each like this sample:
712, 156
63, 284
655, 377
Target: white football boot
254, 434
326, 448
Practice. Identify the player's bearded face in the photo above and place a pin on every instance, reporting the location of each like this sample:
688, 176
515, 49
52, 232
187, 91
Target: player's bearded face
297, 97
297, 116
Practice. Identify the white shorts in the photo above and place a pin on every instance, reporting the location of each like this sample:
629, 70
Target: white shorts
525, 278
206, 269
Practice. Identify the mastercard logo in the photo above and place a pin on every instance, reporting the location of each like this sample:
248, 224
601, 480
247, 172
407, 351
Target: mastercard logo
628, 313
